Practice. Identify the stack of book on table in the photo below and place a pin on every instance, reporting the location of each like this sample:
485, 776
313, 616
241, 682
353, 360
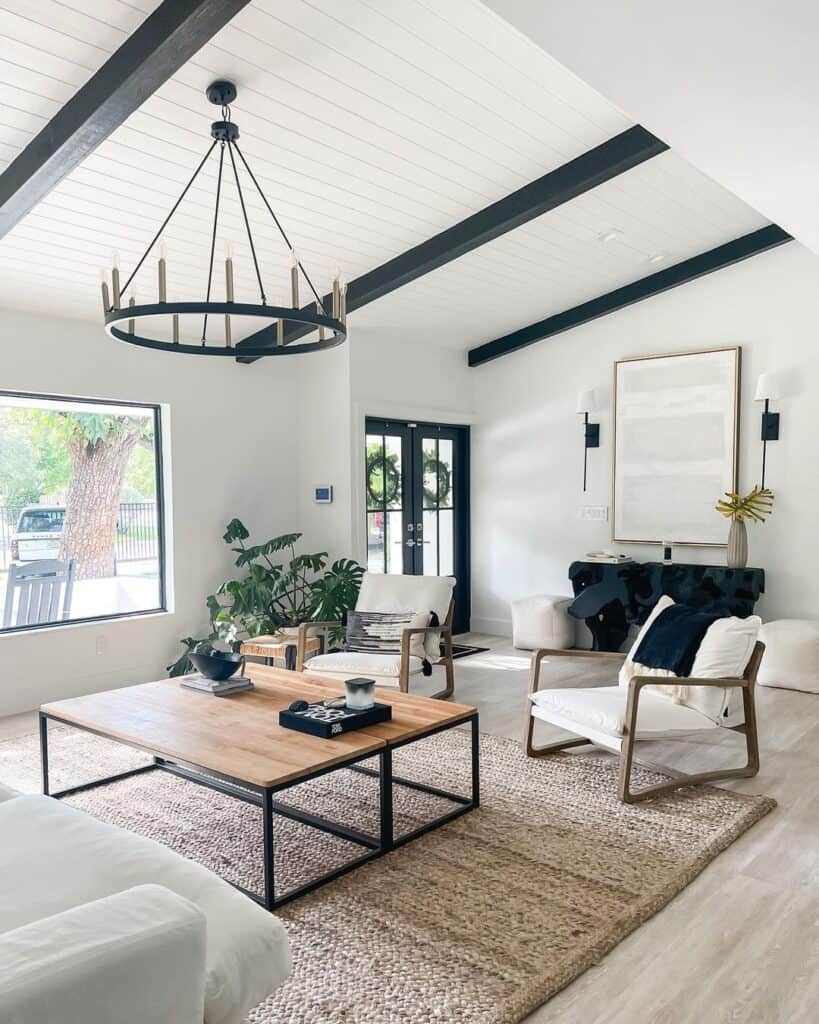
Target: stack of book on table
218, 687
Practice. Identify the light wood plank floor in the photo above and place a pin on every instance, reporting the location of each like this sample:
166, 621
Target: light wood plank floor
741, 944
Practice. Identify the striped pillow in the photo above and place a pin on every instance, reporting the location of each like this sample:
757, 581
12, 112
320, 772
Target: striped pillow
380, 632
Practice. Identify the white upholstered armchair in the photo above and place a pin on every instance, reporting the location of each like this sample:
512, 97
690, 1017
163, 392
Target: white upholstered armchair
384, 593
650, 703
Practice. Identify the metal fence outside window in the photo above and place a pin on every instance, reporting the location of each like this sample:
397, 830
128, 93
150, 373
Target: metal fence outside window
136, 538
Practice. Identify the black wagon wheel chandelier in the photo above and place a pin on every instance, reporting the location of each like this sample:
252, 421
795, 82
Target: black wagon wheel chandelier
121, 319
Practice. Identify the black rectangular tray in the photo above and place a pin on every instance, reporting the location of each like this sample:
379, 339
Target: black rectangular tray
328, 722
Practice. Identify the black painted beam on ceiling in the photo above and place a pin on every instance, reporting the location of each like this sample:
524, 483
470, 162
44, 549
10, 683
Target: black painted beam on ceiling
585, 172
167, 38
681, 273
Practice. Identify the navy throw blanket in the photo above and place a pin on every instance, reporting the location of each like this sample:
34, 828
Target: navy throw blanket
674, 638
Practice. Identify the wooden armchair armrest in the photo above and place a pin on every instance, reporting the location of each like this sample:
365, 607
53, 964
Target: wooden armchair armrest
547, 652
301, 640
636, 683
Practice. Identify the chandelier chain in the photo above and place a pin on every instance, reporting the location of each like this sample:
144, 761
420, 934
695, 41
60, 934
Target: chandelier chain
165, 222
277, 222
247, 223
213, 236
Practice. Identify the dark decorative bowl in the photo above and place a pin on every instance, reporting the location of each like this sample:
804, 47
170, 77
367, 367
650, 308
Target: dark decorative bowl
217, 665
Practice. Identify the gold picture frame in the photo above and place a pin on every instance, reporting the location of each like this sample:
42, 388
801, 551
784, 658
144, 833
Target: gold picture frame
705, 411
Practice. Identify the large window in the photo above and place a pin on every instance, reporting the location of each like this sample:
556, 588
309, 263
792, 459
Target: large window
81, 525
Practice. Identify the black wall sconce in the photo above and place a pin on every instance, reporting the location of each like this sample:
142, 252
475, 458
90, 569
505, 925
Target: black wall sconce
591, 431
767, 390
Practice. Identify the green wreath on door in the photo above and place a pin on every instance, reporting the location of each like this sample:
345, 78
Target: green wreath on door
440, 471
383, 479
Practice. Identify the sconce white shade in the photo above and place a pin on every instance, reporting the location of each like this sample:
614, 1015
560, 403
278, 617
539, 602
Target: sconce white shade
767, 386
586, 401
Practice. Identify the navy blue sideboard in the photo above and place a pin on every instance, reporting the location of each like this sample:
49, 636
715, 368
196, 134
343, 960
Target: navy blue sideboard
611, 597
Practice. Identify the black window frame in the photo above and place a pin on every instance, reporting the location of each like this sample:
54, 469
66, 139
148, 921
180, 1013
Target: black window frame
159, 468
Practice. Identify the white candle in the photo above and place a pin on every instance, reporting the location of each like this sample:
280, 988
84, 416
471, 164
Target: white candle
294, 279
320, 311
131, 323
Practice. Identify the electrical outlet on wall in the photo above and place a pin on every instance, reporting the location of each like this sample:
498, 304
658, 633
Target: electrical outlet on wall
594, 513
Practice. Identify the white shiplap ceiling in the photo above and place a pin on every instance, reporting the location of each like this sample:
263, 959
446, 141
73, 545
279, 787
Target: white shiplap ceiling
371, 126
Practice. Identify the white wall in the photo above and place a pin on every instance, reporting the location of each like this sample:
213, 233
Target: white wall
527, 445
232, 436
323, 451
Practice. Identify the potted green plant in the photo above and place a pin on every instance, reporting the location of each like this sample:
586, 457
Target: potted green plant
753, 506
278, 590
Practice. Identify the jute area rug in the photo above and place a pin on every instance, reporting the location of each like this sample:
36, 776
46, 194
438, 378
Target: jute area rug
480, 921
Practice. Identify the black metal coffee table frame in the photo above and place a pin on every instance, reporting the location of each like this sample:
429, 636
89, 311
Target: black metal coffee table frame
263, 796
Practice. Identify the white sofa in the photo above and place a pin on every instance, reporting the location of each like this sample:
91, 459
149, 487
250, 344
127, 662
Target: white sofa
108, 926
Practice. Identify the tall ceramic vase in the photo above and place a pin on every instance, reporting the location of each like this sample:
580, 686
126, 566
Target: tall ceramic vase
737, 545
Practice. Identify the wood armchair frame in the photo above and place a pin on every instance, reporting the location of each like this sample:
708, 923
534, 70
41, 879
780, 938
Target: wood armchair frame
628, 795
445, 631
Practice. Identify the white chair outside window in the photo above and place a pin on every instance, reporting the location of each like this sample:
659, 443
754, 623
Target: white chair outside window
38, 592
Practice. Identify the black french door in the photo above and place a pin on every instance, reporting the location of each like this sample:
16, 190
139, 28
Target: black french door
417, 494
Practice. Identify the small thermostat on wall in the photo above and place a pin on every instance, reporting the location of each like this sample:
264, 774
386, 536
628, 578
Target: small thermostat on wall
323, 495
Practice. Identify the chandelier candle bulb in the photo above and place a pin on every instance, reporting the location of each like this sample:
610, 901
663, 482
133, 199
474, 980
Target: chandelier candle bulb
280, 331
131, 323
342, 313
163, 280
294, 279
115, 286
336, 294
106, 301
175, 328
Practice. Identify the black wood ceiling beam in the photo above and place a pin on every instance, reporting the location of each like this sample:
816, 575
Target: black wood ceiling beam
585, 172
167, 38
671, 277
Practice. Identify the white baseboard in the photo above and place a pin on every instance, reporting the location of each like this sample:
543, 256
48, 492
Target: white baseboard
495, 627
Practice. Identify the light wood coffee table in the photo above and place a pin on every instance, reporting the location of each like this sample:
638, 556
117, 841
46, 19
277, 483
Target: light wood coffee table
235, 745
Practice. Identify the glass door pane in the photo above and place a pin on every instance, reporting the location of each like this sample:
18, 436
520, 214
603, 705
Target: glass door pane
438, 471
387, 511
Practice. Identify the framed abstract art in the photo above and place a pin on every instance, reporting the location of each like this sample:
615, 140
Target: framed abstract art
676, 445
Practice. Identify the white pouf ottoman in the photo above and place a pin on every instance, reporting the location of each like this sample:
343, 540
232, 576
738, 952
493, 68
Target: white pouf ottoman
542, 621
791, 658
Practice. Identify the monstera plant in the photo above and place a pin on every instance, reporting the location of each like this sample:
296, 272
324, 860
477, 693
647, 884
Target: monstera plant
277, 588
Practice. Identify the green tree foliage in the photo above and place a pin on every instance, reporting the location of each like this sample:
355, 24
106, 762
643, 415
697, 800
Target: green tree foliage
34, 459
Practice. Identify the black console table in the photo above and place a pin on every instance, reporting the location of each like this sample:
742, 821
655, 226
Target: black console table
611, 597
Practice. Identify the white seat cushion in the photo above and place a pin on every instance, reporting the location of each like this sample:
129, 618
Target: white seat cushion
602, 709
54, 857
791, 655
384, 668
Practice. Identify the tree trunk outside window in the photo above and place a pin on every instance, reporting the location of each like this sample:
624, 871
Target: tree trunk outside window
92, 501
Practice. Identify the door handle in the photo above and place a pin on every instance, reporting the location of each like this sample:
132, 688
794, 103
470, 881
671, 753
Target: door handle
410, 543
